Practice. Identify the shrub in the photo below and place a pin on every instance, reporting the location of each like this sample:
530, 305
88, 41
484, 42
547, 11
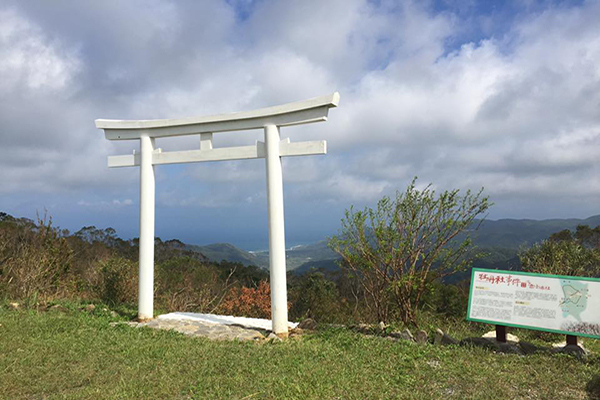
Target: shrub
403, 245
447, 299
317, 297
562, 257
35, 259
190, 284
249, 302
118, 281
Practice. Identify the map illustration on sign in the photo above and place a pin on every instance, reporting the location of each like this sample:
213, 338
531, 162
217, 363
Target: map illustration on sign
574, 301
561, 304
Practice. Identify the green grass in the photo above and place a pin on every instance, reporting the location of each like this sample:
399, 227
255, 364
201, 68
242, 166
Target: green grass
76, 355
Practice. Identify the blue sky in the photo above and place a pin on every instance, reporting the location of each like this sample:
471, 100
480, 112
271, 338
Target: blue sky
464, 94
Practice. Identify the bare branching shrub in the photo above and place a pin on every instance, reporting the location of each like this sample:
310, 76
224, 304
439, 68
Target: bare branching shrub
190, 284
398, 249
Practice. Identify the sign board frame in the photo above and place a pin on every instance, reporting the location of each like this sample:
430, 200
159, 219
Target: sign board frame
513, 325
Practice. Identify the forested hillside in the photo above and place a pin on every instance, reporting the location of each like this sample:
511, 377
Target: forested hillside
497, 242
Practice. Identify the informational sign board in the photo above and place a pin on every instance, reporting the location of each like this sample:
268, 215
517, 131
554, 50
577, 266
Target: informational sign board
563, 304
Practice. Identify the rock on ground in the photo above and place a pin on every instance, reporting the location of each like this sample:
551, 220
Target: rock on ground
574, 350
422, 337
308, 323
443, 339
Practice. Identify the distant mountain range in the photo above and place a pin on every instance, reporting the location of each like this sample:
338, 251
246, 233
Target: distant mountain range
498, 240
517, 233
218, 252
296, 257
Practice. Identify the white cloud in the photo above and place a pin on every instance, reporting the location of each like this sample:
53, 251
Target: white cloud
524, 113
515, 112
105, 204
29, 61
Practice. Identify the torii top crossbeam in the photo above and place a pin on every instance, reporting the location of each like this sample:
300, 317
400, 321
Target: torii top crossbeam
270, 119
300, 112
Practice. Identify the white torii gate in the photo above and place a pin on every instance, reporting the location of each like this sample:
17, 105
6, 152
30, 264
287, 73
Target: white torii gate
270, 119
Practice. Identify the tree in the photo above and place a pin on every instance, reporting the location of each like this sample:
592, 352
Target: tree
584, 236
588, 237
398, 249
565, 254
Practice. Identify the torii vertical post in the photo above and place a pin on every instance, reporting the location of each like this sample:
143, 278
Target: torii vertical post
270, 119
279, 311
147, 197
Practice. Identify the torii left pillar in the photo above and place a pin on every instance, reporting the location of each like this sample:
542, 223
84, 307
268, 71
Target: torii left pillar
147, 199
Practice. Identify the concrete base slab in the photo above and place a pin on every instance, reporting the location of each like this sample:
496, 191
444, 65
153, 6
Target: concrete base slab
252, 323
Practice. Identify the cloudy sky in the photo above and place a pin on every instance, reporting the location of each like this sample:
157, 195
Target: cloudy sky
464, 94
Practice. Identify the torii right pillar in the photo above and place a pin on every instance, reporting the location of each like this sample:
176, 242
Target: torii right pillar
279, 311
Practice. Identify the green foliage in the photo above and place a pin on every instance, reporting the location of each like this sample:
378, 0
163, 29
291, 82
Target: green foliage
249, 276
566, 253
166, 250
315, 296
563, 236
563, 257
398, 249
118, 283
183, 270
588, 237
91, 234
447, 300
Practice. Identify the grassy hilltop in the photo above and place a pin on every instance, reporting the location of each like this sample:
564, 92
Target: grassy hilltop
77, 355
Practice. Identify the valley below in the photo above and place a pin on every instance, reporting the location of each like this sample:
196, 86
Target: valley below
497, 244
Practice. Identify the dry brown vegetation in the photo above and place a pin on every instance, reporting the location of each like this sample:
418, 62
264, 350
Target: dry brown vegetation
40, 264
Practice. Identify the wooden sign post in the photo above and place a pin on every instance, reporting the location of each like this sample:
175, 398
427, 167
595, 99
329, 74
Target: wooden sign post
272, 149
